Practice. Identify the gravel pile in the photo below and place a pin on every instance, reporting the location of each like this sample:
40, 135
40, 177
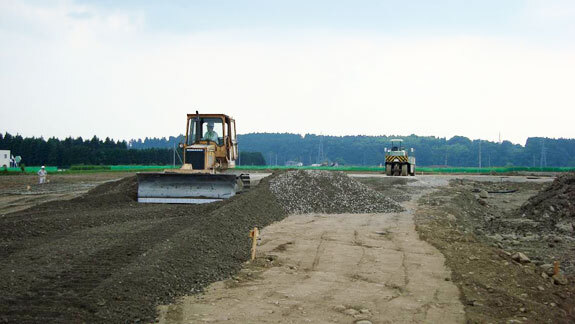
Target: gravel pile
554, 205
315, 191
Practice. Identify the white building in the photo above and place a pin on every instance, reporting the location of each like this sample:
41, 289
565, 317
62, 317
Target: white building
5, 158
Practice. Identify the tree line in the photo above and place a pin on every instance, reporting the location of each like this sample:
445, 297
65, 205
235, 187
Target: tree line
77, 151
279, 148
458, 151
74, 151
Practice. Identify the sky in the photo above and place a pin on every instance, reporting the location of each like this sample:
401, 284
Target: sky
135, 68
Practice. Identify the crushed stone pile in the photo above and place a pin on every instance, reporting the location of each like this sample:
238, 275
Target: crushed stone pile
317, 191
554, 205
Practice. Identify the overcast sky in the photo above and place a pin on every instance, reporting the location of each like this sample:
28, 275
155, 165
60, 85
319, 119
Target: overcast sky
133, 69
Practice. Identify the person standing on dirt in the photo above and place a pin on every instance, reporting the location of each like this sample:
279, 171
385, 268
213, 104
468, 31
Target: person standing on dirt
42, 175
210, 135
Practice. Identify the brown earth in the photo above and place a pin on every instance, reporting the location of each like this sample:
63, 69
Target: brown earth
478, 237
18, 192
332, 268
104, 258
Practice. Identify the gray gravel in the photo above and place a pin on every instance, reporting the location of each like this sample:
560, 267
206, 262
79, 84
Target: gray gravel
317, 191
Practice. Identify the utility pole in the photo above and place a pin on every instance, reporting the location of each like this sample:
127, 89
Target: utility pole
543, 161
320, 151
174, 157
480, 154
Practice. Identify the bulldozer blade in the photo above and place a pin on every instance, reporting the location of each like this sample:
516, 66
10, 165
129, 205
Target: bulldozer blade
181, 188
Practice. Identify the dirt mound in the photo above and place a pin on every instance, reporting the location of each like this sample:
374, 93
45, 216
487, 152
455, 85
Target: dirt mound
554, 205
315, 191
103, 258
121, 191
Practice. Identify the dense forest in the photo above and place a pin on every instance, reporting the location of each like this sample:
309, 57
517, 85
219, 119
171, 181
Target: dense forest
94, 151
369, 150
277, 149
74, 151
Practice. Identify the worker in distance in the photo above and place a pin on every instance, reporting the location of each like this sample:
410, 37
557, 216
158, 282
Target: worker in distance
42, 175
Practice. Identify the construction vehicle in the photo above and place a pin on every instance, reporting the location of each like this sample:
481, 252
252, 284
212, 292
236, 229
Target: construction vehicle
210, 148
397, 160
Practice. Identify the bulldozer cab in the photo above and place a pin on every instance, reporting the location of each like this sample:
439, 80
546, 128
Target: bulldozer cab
210, 142
205, 129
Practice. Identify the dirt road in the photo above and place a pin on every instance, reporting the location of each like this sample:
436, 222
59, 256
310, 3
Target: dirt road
333, 269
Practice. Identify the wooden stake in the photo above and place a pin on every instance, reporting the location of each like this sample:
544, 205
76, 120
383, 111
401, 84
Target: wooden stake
555, 267
254, 235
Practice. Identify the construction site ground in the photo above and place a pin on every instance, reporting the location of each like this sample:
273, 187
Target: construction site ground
448, 256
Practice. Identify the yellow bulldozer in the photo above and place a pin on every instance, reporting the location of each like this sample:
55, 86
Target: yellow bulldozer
210, 148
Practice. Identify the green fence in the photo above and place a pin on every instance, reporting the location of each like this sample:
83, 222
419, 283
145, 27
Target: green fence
127, 168
493, 170
417, 169
338, 168
30, 169
120, 168
142, 167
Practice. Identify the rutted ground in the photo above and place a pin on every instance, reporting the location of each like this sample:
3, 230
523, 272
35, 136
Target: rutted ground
501, 260
330, 268
18, 192
101, 257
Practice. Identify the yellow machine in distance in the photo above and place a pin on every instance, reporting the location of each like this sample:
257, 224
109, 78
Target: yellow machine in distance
398, 162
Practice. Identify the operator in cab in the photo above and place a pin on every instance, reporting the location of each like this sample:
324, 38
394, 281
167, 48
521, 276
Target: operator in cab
210, 135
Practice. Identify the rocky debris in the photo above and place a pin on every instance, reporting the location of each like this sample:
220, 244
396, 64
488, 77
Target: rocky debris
520, 257
451, 218
548, 269
554, 205
103, 258
559, 279
507, 289
483, 194
317, 191
350, 312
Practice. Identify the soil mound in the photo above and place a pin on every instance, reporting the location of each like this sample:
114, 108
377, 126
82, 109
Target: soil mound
554, 205
103, 258
120, 191
315, 191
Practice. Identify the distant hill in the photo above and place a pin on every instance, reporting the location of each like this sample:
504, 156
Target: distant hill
278, 148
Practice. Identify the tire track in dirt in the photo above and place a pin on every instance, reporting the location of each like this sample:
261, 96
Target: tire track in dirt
371, 272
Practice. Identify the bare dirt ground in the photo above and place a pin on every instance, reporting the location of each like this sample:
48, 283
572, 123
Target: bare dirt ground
18, 192
374, 267
101, 257
333, 268
481, 238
